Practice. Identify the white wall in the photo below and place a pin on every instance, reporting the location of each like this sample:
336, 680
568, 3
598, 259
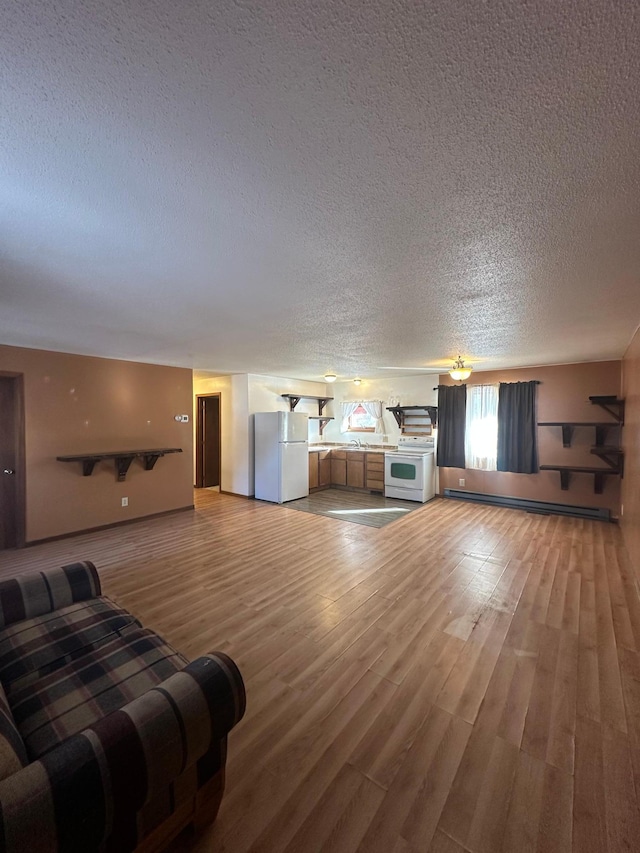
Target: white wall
404, 391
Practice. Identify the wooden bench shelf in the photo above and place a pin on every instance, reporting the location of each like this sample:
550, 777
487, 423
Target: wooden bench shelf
599, 475
122, 458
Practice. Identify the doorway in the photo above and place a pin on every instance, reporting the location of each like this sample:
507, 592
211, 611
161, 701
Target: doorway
12, 511
207, 441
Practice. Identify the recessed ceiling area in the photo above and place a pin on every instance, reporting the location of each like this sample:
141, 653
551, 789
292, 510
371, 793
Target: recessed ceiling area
291, 188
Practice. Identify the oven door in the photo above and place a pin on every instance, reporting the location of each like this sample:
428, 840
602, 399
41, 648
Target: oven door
403, 470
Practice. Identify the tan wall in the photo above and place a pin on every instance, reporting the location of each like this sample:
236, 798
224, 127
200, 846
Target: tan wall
630, 520
563, 395
78, 404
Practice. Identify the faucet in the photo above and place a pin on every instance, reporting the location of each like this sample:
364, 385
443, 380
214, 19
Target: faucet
356, 441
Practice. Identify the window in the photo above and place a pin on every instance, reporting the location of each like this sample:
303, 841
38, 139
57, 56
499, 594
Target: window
481, 435
361, 421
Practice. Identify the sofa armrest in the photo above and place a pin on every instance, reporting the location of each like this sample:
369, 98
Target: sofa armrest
35, 593
91, 786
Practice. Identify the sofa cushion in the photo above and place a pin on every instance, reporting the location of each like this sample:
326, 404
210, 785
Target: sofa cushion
87, 688
37, 646
34, 593
13, 755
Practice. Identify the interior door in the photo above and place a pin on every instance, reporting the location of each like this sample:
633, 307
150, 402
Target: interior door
11, 462
208, 441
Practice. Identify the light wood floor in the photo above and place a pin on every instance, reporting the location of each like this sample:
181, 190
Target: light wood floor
466, 678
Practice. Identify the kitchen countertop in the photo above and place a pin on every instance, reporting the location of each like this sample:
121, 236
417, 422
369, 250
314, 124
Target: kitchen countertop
317, 448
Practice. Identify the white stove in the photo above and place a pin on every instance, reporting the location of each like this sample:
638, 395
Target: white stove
409, 471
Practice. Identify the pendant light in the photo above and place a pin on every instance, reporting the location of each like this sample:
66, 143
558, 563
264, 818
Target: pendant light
459, 372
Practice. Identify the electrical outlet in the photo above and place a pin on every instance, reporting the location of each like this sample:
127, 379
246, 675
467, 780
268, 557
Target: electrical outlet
125, 501
461, 481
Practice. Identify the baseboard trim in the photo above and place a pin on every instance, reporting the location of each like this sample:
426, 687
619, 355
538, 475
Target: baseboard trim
236, 495
544, 507
109, 526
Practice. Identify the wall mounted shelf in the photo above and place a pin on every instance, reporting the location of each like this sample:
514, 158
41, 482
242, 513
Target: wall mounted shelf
122, 459
612, 404
601, 427
613, 456
322, 421
599, 475
410, 422
294, 399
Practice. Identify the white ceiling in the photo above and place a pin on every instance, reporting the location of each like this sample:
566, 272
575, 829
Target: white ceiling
293, 187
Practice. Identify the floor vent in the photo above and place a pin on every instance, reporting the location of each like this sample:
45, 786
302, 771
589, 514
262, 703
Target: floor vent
543, 507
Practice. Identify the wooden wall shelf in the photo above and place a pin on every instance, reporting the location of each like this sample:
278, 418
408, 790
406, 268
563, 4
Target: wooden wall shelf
406, 418
322, 421
122, 459
612, 455
601, 428
294, 399
612, 404
599, 475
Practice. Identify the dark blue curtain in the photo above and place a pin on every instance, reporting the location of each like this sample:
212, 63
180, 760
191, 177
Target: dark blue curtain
517, 437
452, 414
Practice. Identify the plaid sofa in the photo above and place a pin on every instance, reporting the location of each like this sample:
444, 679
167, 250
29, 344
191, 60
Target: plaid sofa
110, 740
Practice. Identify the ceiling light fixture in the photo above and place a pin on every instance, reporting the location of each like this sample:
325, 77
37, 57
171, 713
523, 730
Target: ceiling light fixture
330, 377
357, 381
459, 372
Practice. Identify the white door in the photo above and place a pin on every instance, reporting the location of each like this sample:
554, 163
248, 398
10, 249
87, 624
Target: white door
294, 471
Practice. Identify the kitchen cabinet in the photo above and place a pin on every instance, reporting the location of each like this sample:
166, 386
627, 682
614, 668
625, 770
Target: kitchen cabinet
324, 469
338, 467
313, 471
355, 469
374, 472
319, 470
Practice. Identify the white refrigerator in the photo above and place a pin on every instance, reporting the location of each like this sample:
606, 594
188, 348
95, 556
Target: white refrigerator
281, 456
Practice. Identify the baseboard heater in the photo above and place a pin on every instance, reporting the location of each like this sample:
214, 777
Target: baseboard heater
530, 506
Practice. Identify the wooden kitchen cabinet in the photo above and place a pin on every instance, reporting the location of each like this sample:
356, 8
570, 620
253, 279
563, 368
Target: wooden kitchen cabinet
355, 469
339, 467
319, 470
324, 468
313, 470
374, 472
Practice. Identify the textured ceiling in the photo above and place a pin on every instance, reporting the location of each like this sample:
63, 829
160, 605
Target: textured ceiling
291, 187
